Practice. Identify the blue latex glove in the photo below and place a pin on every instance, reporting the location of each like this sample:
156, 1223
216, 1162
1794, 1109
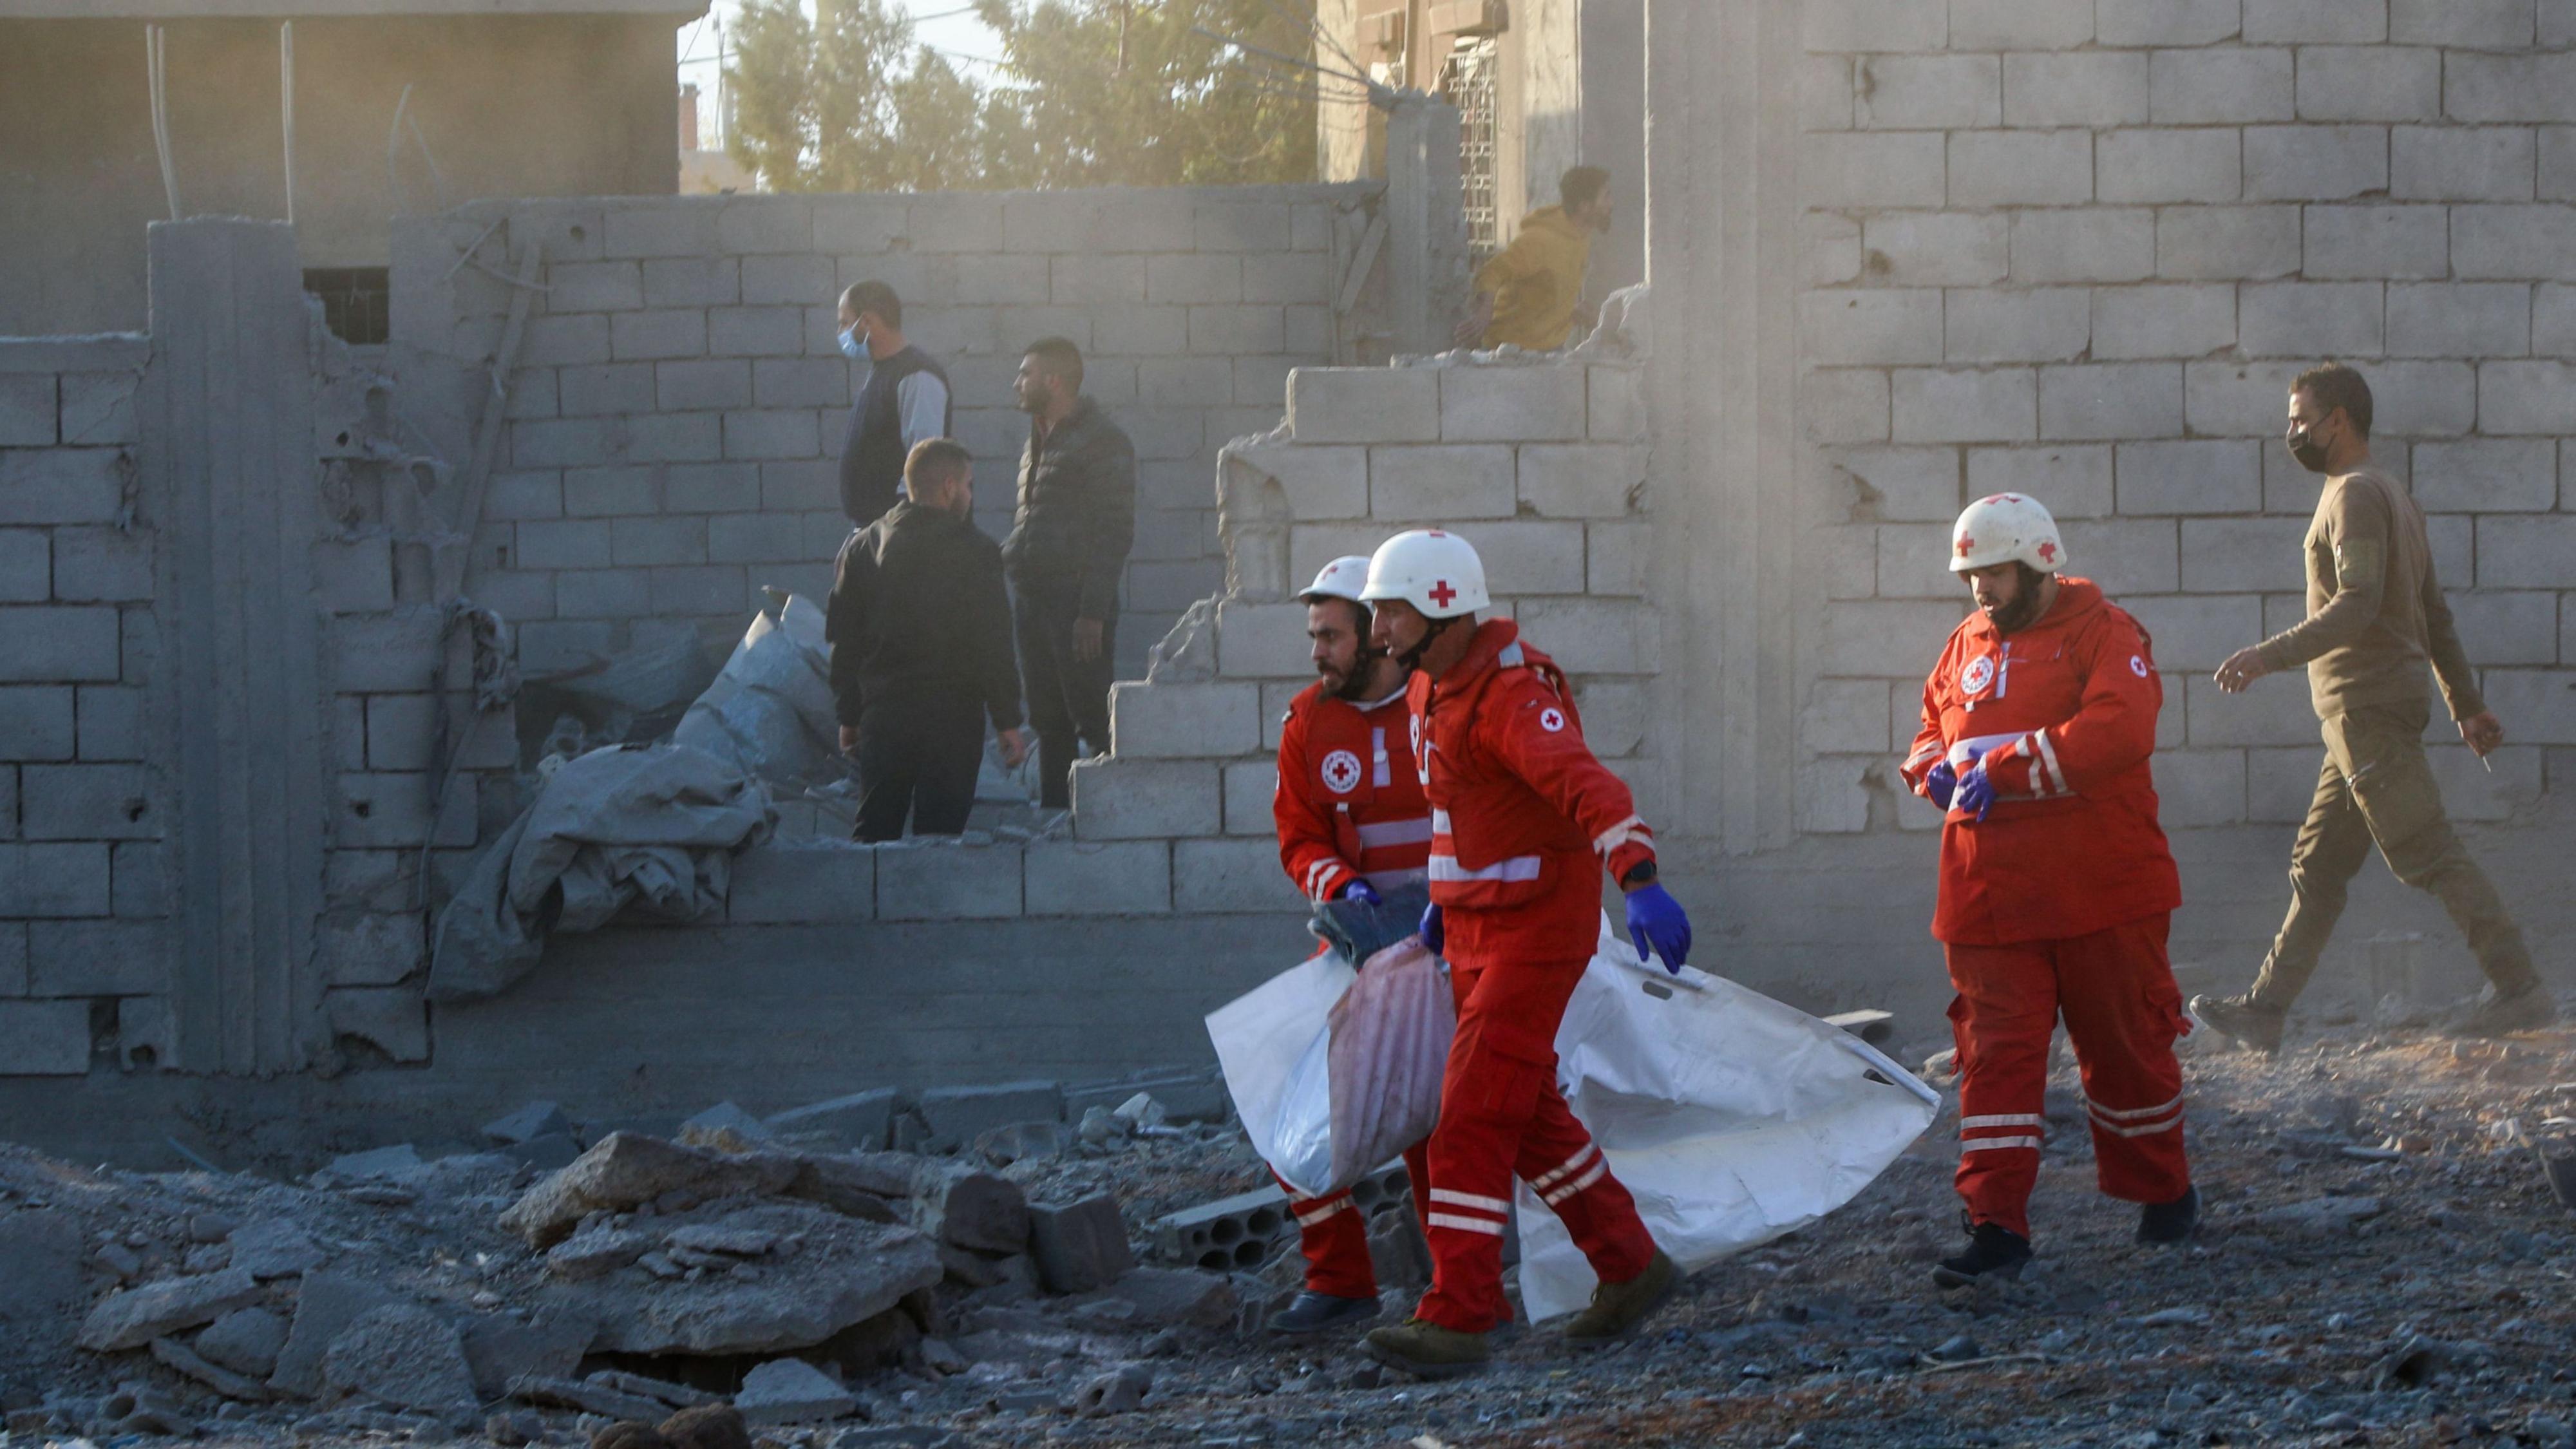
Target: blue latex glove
1940, 784
1655, 919
1976, 792
1432, 936
1360, 890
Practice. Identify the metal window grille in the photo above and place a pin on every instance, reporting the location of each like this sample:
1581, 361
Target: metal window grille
357, 302
1468, 78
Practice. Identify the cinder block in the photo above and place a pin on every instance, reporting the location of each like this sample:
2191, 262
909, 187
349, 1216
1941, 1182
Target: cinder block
2553, 319
1886, 640
2309, 319
2168, 165
1830, 243
2510, 87
2073, 480
2473, 24
2174, 22
662, 228
1249, 788
1231, 876
1938, 248
44, 1038
385, 810
62, 485
1919, 485
1095, 878
1525, 557
1235, 330
354, 576
2237, 399
1293, 277
2459, 319
1260, 641
1578, 481
45, 644
26, 566
1240, 227
2197, 476
98, 958
2227, 243
2377, 242
1914, 562
2369, 83
594, 287
991, 281
2486, 475
98, 408
1192, 278
2020, 168
2088, 88
611, 492
2198, 631
2110, 400
1364, 405
2520, 627
36, 723
1886, 169
1844, 405
699, 589
1831, 25
565, 341
2314, 163
2125, 555
1141, 799
1444, 482
2019, 24
758, 435
1541, 403
1929, 92
1841, 716
2042, 324
637, 542
52, 879
2094, 244
792, 280
723, 382
2527, 397
866, 225
2170, 321
652, 336
1616, 557
2513, 242
1183, 721
1947, 406
2515, 551
755, 332
2269, 22
939, 880
1320, 482
601, 594
2243, 555
2226, 86
1877, 324
765, 224
1594, 636
29, 410
2557, 181
607, 388
2540, 704
2196, 788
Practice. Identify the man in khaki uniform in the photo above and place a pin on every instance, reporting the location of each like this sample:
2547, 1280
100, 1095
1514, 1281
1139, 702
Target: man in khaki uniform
2375, 616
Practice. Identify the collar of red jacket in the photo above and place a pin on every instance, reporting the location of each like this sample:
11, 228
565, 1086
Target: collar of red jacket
1485, 653
2076, 598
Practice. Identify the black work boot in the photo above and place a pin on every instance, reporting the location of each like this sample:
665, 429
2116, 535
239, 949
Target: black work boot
2170, 1222
1994, 1251
1312, 1312
2237, 1018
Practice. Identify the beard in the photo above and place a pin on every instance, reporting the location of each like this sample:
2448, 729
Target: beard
1348, 684
2018, 615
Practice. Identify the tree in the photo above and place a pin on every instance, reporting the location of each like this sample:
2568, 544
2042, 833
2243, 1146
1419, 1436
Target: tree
830, 104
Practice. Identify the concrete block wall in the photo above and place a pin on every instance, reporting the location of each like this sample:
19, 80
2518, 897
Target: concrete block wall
84, 809
682, 399
2079, 251
1541, 466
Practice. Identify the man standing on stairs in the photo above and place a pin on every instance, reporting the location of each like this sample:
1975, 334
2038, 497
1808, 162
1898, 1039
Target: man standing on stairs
1352, 824
1523, 822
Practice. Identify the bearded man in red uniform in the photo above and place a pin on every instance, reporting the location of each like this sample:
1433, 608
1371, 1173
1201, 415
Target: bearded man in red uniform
2056, 886
1523, 821
1352, 822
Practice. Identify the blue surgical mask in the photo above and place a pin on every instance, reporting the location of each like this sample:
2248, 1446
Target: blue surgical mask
850, 342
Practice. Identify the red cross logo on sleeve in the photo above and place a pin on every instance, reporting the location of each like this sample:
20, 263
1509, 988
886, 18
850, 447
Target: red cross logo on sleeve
1441, 593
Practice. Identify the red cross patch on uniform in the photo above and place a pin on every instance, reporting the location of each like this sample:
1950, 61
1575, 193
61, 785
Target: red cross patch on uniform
1979, 673
1341, 772
1551, 719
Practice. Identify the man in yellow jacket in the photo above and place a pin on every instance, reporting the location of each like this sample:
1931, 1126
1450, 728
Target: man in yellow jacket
1531, 290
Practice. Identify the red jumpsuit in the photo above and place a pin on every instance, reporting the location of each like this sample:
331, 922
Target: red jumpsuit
1349, 806
2057, 902
1523, 821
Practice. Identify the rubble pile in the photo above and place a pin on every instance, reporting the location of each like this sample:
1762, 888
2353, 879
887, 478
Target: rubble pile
2384, 1262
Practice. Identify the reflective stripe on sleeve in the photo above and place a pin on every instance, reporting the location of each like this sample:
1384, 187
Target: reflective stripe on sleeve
1989, 1144
1472, 1225
1469, 1199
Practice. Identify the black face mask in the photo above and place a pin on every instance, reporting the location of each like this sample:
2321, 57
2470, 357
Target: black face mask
2305, 449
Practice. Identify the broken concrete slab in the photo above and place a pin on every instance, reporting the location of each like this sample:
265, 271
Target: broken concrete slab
958, 1115
1020, 1141
1177, 1297
595, 1251
275, 1248
1079, 1246
530, 1122
625, 1169
971, 1209
728, 1238
548, 1392
324, 1307
180, 1358
678, 1396
405, 1356
1120, 1391
726, 1128
845, 1186
792, 1391
399, 1163
498, 1349
136, 1316
844, 1271
245, 1340
859, 1121
40, 1258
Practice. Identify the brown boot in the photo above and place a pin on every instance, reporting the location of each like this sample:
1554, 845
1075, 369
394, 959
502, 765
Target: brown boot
1426, 1350
2491, 1014
1616, 1307
2239, 1020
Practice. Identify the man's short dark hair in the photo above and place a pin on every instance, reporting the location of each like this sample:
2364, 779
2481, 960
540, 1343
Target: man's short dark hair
1579, 186
2334, 385
932, 462
874, 297
1058, 355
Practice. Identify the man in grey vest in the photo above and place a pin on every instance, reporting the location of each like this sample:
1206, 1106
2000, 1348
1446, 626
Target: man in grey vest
902, 404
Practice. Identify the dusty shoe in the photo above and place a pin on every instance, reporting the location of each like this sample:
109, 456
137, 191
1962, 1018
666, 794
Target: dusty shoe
1616, 1307
1993, 1252
1426, 1350
2256, 1028
2170, 1222
2491, 1015
1312, 1312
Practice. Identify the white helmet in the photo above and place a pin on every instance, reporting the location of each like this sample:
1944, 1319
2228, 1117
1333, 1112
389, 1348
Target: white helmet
1436, 572
2005, 528
1343, 578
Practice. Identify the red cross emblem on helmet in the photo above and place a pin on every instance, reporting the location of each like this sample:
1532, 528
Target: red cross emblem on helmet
1966, 544
2047, 551
1441, 593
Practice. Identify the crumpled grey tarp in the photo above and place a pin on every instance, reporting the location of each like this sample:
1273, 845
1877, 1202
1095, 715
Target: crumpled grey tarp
769, 710
654, 826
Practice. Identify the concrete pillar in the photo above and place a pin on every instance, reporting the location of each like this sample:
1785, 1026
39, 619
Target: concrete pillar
1721, 184
229, 479
1427, 233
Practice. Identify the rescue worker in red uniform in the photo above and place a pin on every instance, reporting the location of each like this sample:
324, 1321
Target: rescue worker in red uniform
2056, 886
1523, 820
1352, 822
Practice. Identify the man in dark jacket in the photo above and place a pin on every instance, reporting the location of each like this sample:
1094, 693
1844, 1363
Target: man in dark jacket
903, 401
920, 630
1068, 547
